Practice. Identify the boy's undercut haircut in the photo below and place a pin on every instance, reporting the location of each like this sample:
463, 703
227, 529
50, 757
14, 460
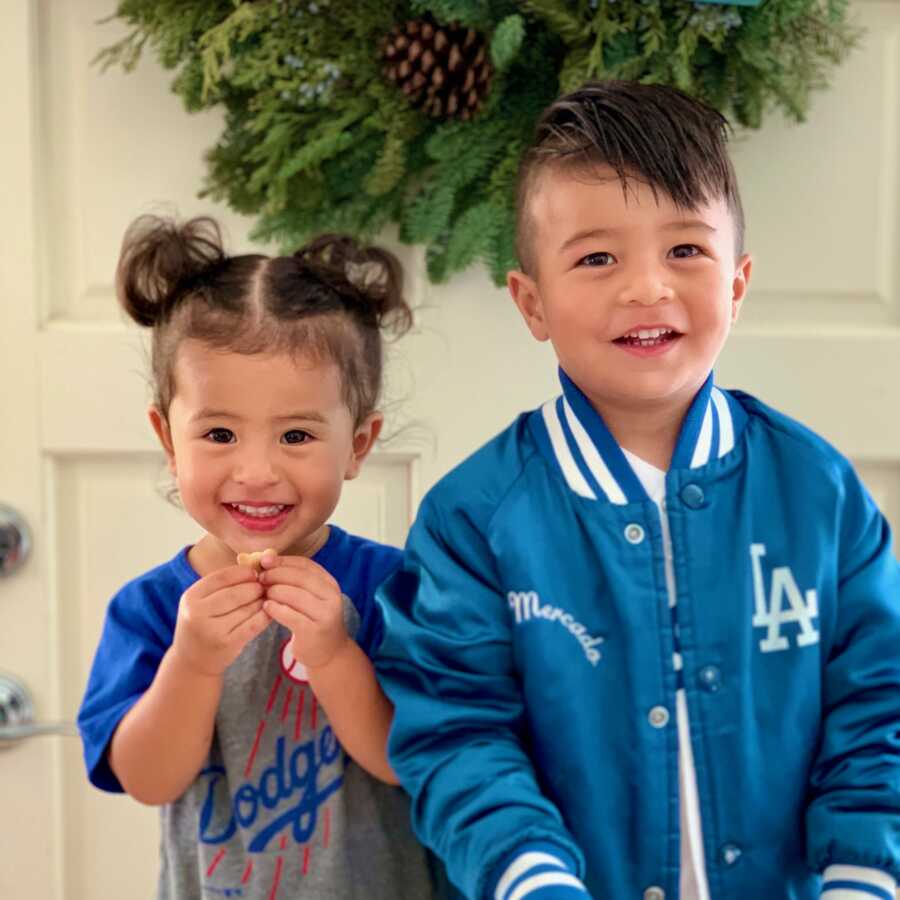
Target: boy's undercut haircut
654, 133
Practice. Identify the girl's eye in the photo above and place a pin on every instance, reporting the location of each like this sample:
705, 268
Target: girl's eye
220, 435
296, 436
597, 260
685, 251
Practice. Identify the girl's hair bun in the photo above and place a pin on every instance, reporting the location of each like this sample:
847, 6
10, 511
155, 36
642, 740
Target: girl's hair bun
368, 279
161, 261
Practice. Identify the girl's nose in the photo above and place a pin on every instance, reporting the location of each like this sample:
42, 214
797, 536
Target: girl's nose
255, 469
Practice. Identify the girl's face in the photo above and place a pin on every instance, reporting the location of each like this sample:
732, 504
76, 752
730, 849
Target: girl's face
259, 446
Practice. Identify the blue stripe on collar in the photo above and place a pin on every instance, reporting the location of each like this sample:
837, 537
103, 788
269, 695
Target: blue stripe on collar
613, 468
566, 421
716, 433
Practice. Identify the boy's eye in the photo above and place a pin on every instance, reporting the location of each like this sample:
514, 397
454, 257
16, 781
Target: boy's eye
685, 251
295, 436
597, 259
220, 435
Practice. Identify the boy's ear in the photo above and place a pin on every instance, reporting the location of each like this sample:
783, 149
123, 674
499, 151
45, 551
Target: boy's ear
363, 440
739, 285
524, 291
161, 427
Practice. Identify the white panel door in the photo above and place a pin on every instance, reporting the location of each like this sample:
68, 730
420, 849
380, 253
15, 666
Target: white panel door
82, 154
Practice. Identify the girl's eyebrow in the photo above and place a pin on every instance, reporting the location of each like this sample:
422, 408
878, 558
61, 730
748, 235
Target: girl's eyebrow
212, 414
309, 415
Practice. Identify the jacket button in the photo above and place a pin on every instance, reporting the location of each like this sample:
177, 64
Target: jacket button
658, 717
729, 854
692, 496
634, 534
654, 893
710, 678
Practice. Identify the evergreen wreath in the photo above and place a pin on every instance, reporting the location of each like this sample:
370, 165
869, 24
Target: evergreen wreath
348, 115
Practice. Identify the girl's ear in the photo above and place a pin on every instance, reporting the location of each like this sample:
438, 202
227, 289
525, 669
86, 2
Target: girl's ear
161, 427
524, 291
363, 440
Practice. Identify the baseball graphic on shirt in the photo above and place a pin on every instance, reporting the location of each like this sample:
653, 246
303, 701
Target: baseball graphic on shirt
294, 670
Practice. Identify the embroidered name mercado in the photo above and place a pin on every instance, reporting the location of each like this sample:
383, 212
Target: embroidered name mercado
527, 605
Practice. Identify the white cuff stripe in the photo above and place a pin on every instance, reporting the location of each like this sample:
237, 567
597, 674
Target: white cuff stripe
520, 865
546, 880
594, 460
877, 877
563, 455
846, 893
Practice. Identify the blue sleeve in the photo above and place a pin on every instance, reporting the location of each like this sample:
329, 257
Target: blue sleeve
371, 564
134, 640
853, 818
456, 741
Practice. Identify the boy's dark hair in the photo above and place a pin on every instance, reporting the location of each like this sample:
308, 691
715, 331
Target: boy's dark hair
653, 132
331, 298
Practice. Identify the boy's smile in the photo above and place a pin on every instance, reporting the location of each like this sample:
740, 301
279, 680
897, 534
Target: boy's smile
636, 295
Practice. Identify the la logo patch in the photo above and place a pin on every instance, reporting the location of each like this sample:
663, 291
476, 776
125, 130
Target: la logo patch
771, 612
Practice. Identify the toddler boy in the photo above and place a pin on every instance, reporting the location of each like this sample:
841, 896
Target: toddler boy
646, 642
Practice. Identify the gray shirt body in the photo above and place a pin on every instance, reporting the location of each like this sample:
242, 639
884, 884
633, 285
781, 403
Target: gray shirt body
280, 811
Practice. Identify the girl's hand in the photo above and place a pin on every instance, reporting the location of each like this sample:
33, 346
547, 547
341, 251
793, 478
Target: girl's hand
305, 598
217, 617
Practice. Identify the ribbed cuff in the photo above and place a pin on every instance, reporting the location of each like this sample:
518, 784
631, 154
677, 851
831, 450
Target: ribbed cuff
857, 883
538, 871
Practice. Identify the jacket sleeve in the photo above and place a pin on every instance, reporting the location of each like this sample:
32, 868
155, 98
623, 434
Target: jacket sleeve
457, 738
853, 819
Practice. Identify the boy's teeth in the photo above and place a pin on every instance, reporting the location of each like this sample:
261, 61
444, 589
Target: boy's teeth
260, 511
649, 333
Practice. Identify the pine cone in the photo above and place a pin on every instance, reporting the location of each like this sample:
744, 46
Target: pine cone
442, 69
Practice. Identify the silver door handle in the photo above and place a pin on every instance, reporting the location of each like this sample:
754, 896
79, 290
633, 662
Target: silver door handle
15, 540
12, 734
17, 715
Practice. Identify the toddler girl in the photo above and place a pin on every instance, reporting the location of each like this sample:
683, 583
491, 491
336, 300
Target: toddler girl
229, 693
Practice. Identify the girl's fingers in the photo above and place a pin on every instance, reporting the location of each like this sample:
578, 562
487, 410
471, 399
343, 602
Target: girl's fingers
234, 619
286, 615
251, 627
223, 578
230, 599
298, 599
312, 578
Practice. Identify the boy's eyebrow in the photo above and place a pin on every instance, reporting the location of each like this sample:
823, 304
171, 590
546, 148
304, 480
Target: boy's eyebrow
610, 232
586, 233
688, 223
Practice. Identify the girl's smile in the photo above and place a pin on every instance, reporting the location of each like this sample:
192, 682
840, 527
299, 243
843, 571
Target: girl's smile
260, 516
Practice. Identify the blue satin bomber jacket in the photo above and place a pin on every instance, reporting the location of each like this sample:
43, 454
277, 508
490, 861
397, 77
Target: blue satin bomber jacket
529, 653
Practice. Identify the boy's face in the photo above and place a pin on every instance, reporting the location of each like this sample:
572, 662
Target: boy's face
636, 295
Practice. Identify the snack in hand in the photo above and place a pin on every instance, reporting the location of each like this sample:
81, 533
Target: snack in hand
254, 559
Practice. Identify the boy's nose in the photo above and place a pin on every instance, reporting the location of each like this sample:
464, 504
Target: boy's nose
646, 288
